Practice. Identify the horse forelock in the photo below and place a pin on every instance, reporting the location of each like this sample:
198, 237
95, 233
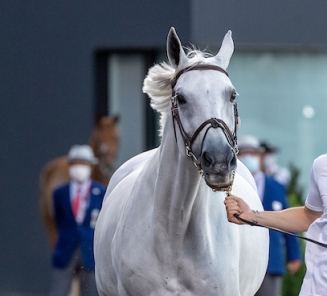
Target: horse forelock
157, 84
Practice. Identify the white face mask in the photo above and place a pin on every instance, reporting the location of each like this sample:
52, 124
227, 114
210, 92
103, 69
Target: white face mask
251, 162
270, 163
80, 172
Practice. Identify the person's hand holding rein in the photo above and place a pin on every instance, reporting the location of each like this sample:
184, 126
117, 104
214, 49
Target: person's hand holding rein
235, 205
296, 219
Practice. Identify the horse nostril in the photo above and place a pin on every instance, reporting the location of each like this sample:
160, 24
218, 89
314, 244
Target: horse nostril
207, 159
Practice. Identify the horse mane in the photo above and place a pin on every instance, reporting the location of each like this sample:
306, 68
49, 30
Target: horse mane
157, 84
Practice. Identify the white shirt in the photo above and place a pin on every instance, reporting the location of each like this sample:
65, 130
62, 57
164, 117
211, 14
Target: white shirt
315, 280
85, 192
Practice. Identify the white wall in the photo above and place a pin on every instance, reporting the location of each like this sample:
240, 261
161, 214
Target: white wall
126, 75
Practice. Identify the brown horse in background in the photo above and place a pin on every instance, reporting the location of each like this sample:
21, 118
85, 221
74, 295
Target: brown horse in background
104, 142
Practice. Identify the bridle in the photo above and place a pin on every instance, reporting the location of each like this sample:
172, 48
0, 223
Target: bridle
210, 123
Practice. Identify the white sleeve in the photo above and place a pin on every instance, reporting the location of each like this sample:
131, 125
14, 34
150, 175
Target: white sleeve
318, 185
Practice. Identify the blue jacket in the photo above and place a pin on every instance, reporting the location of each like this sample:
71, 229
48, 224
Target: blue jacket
70, 234
281, 246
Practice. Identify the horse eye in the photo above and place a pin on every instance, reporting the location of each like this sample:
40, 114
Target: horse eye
233, 96
181, 99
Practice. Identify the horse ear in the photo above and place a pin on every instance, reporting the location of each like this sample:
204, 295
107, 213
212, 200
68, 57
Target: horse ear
226, 50
175, 52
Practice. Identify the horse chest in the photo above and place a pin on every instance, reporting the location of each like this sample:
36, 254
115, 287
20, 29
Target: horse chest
178, 279
153, 270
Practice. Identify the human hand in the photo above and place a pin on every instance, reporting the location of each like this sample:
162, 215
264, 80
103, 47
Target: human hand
237, 206
293, 266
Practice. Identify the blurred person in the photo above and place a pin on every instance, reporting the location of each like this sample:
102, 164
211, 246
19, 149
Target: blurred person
76, 208
270, 165
273, 198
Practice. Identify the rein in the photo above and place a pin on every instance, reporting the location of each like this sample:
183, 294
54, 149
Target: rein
279, 230
211, 123
255, 223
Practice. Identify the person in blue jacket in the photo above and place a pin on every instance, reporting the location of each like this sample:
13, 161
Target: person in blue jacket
76, 208
273, 197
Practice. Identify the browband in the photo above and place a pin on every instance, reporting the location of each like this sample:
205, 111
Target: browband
197, 67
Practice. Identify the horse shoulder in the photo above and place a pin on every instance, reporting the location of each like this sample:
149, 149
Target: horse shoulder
117, 220
127, 168
108, 233
120, 190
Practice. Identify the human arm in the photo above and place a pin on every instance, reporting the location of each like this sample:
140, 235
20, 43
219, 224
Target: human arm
297, 219
292, 243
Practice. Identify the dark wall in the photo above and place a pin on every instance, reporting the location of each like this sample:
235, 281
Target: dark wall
286, 25
47, 104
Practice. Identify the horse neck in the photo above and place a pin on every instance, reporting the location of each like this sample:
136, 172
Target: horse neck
178, 189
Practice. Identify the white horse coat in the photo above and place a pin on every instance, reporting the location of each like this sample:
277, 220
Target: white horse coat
162, 230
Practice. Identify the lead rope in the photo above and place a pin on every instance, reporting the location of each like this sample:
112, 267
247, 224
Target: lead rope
255, 223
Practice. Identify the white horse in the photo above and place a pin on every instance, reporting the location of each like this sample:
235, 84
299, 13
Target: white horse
163, 228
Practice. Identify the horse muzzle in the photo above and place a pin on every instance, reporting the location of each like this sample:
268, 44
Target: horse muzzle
219, 183
218, 171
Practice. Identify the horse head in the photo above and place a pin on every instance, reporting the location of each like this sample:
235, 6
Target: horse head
204, 109
201, 98
104, 141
